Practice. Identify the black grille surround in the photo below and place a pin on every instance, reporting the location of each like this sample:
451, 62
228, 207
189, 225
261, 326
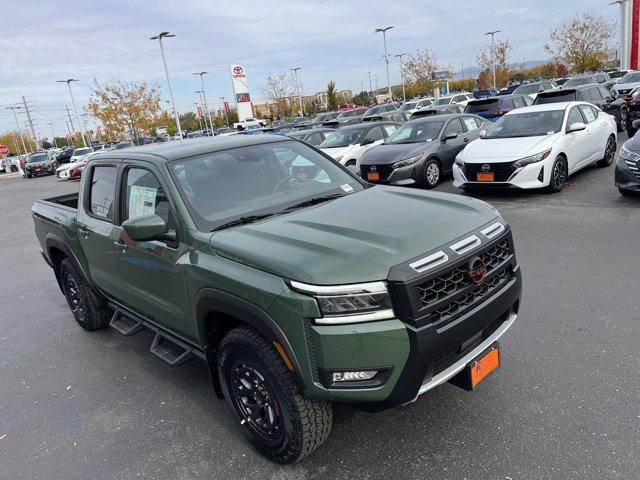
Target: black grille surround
501, 170
383, 170
438, 297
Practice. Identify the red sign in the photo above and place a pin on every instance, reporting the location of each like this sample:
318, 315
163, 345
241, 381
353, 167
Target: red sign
226, 107
4, 150
238, 70
200, 112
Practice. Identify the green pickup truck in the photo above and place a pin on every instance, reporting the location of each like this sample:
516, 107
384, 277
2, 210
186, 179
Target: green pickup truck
298, 283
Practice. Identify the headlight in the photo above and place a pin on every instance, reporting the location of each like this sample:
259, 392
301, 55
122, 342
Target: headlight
407, 161
538, 157
337, 159
627, 154
341, 304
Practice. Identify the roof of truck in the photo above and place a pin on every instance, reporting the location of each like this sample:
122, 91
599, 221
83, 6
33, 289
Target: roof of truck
174, 150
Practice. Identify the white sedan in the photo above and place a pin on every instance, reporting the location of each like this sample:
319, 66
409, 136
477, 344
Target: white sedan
347, 144
538, 146
62, 172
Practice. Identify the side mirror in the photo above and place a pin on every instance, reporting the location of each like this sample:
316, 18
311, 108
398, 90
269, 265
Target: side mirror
367, 141
450, 136
636, 124
576, 127
147, 227
482, 133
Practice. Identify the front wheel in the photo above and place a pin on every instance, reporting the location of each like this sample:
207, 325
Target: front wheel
609, 153
261, 391
432, 174
559, 174
622, 124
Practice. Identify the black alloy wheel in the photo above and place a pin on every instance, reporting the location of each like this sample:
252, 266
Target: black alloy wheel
558, 175
609, 153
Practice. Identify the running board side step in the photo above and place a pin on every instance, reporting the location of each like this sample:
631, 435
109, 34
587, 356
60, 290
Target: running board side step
165, 346
125, 325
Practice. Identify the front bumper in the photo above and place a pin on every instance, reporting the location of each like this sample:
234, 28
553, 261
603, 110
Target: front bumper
532, 176
401, 177
415, 355
625, 177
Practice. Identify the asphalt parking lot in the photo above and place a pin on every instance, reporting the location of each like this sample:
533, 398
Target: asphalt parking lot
81, 405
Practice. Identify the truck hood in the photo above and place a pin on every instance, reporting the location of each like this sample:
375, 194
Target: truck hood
355, 238
486, 149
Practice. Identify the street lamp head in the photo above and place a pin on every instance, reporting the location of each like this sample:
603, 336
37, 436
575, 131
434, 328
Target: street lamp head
384, 29
200, 73
493, 33
161, 35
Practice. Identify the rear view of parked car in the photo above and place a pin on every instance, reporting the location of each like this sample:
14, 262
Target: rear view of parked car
493, 108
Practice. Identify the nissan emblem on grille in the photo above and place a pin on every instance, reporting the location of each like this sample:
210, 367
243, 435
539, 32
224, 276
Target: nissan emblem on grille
486, 167
477, 270
373, 168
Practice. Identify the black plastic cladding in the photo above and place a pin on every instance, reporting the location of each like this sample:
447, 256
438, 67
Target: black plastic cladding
409, 289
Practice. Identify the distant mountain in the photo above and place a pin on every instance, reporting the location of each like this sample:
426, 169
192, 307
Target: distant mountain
474, 71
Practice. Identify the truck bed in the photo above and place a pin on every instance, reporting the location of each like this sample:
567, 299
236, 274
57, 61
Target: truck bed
70, 200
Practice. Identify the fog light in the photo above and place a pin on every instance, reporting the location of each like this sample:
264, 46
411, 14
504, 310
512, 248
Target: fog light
353, 376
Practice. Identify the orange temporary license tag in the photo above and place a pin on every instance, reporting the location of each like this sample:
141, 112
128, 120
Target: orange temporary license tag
484, 366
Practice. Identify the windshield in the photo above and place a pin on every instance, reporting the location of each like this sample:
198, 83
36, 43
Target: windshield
631, 77
40, 157
529, 124
320, 118
342, 138
408, 106
416, 133
527, 89
441, 101
574, 82
223, 186
373, 110
331, 116
352, 113
81, 151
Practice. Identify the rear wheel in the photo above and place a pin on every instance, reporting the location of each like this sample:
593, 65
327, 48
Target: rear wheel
259, 388
432, 173
83, 305
609, 153
558, 175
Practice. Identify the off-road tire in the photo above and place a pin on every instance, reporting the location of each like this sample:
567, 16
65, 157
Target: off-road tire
303, 423
87, 312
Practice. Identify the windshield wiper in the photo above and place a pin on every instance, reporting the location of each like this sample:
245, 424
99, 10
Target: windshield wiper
242, 221
313, 201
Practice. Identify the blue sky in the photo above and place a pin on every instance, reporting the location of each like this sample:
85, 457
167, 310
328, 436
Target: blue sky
331, 40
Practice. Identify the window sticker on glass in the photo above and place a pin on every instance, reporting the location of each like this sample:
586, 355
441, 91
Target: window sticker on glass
142, 201
346, 187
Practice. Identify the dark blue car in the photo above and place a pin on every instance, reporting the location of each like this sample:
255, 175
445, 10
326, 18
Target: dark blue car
493, 108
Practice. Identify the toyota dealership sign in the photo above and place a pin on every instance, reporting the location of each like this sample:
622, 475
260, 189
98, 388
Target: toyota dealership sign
241, 92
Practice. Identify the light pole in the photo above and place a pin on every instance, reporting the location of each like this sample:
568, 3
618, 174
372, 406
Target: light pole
624, 48
386, 55
493, 56
159, 37
53, 135
462, 71
204, 96
370, 85
295, 74
75, 110
224, 107
404, 94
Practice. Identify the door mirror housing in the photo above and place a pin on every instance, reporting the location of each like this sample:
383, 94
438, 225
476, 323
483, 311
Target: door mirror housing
367, 141
576, 127
483, 133
636, 124
147, 227
449, 136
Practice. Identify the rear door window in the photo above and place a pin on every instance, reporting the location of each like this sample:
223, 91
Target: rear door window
102, 191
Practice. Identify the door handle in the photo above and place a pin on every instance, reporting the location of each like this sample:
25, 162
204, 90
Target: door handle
465, 139
83, 232
120, 246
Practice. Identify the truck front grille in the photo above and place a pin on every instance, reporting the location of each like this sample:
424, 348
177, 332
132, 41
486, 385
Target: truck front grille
448, 293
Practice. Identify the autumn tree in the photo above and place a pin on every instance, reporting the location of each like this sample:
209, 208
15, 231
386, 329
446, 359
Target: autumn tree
332, 96
582, 42
278, 90
361, 98
417, 71
496, 55
12, 140
125, 107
